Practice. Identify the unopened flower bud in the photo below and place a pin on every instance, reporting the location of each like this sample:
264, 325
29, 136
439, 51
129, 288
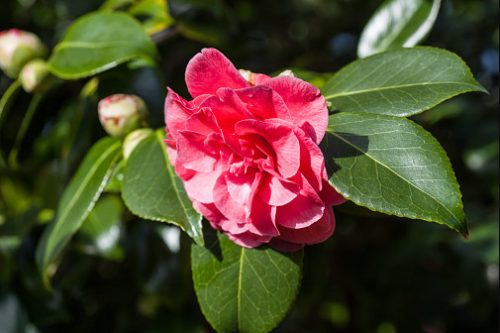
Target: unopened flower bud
35, 76
120, 114
17, 47
287, 72
133, 139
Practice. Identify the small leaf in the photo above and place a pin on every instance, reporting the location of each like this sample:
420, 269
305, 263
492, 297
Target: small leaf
402, 83
155, 14
392, 165
398, 23
77, 201
152, 190
97, 42
102, 228
244, 290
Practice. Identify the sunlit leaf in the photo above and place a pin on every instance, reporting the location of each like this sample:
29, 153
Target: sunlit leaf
398, 23
403, 82
97, 42
392, 165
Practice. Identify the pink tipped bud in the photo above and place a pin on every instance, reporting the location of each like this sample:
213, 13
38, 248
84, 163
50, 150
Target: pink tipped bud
120, 114
35, 76
17, 47
133, 139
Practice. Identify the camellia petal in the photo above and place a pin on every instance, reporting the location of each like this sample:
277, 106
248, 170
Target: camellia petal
304, 101
282, 138
210, 70
315, 233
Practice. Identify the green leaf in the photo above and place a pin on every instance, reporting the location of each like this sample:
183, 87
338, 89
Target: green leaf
102, 228
115, 4
155, 12
398, 23
77, 201
403, 82
244, 290
392, 165
152, 190
97, 42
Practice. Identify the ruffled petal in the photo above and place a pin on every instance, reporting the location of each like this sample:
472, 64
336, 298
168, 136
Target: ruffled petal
278, 192
303, 211
192, 153
200, 186
312, 162
304, 101
330, 196
227, 108
230, 208
264, 103
248, 239
178, 111
280, 137
315, 233
210, 70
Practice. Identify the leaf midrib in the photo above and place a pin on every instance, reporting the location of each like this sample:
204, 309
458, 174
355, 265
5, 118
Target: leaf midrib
398, 175
238, 293
401, 86
92, 45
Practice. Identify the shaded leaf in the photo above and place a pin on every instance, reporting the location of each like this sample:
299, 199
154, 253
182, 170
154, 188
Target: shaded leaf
97, 42
392, 165
403, 82
152, 190
102, 228
244, 290
77, 201
398, 23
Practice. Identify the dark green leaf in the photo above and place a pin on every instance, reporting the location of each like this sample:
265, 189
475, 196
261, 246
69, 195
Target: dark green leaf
152, 190
97, 42
401, 82
392, 165
102, 228
244, 290
398, 23
78, 200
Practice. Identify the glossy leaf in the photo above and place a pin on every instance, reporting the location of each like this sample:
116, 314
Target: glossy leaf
244, 290
403, 82
97, 42
398, 23
152, 190
102, 228
392, 165
77, 201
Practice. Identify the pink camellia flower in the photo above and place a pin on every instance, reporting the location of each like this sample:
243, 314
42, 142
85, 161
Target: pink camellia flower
246, 148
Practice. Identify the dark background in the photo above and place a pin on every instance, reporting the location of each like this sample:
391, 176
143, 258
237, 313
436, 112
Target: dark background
376, 274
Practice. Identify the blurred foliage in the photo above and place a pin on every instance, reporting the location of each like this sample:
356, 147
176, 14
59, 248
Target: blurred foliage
374, 275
